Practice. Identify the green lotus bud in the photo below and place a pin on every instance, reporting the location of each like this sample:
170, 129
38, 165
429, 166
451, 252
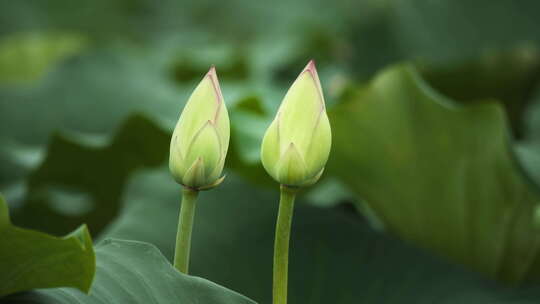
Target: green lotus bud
201, 137
296, 146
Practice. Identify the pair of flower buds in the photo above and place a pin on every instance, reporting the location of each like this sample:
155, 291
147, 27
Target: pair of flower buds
294, 150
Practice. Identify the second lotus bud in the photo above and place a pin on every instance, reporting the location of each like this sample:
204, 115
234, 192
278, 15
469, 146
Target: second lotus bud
296, 146
201, 137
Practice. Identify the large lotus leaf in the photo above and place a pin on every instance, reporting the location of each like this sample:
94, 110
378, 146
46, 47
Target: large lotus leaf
438, 174
135, 272
83, 183
31, 259
335, 256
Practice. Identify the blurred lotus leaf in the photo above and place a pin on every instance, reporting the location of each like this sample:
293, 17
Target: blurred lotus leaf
437, 173
98, 171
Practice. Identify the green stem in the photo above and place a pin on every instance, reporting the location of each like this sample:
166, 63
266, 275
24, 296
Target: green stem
281, 245
185, 226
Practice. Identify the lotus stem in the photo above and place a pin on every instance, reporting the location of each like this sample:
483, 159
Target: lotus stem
185, 226
281, 245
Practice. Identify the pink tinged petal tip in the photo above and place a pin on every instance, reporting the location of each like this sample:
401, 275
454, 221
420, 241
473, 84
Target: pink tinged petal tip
215, 82
212, 75
310, 68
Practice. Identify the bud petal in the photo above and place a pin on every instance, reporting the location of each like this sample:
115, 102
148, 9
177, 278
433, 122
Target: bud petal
201, 136
300, 133
319, 149
291, 168
300, 108
206, 146
270, 149
314, 179
194, 176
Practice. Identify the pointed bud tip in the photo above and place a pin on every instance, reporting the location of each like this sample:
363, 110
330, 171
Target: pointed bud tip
312, 70
212, 74
212, 70
310, 67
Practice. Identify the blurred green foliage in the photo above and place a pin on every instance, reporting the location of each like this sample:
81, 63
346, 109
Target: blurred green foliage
27, 56
446, 158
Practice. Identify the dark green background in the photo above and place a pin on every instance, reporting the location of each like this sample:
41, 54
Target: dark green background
434, 109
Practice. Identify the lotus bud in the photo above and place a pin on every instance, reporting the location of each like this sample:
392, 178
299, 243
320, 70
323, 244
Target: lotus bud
201, 137
296, 146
